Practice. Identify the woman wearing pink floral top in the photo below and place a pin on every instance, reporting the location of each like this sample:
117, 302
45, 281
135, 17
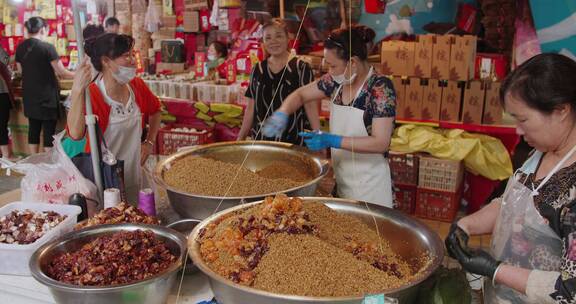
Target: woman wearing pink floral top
361, 117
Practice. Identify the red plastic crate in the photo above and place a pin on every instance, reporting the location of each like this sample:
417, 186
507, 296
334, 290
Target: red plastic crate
405, 198
437, 205
404, 168
170, 140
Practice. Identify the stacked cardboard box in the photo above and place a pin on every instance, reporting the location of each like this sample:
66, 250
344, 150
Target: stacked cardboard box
123, 10
445, 57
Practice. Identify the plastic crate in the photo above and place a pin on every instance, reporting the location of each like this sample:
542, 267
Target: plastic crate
405, 198
440, 174
14, 258
170, 140
404, 168
437, 205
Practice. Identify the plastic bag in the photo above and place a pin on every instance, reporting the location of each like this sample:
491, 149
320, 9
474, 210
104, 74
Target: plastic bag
152, 19
51, 177
482, 154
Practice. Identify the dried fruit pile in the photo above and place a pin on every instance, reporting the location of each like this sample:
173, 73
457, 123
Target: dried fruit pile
288, 246
122, 213
25, 227
120, 258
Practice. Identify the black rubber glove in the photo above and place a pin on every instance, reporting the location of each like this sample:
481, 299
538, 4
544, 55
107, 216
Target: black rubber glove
474, 260
456, 236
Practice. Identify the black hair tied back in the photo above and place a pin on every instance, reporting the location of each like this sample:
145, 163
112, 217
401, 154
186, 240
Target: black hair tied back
35, 24
107, 45
351, 42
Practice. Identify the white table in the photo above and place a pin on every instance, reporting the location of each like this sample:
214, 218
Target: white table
26, 290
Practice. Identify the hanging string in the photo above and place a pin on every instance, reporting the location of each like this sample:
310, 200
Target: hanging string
253, 142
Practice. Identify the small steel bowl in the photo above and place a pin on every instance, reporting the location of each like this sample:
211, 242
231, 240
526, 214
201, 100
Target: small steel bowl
185, 227
154, 290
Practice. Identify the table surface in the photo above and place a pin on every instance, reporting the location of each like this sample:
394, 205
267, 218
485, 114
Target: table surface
25, 290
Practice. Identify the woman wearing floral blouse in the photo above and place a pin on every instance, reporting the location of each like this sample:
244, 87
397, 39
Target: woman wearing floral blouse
361, 119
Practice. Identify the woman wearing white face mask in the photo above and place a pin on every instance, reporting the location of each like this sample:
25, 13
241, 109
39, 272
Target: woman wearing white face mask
361, 117
122, 102
216, 55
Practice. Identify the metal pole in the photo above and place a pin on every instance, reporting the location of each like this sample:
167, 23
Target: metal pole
90, 117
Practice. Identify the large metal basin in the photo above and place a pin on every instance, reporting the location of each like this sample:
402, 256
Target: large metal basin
408, 237
154, 290
254, 155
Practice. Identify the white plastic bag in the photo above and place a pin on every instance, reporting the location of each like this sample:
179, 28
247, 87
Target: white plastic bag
51, 177
152, 19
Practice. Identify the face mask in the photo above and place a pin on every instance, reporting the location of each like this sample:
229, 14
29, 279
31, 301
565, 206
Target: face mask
341, 79
124, 74
211, 57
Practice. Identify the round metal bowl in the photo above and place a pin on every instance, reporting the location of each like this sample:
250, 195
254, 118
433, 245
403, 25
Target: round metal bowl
260, 154
153, 290
185, 227
409, 238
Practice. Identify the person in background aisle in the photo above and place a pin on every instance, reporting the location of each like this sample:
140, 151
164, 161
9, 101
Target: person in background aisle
362, 115
6, 102
112, 25
40, 65
122, 102
217, 53
533, 226
271, 81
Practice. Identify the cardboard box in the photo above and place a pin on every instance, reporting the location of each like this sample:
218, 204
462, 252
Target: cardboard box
473, 102
413, 98
423, 56
397, 58
451, 102
70, 32
195, 5
491, 66
431, 100
172, 67
400, 90
441, 57
168, 21
191, 22
462, 57
492, 107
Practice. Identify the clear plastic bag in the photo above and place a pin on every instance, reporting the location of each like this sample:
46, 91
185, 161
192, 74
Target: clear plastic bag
51, 177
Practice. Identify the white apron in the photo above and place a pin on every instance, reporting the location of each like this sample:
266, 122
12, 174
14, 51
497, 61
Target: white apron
520, 231
359, 176
123, 136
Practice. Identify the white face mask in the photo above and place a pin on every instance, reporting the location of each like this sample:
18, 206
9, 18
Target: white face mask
211, 57
124, 74
341, 79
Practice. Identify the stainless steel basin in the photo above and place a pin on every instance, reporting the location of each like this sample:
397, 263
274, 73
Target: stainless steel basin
154, 290
254, 155
408, 237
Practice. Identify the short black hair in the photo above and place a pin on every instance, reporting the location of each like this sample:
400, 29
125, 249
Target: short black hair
544, 82
350, 42
35, 24
221, 48
111, 21
91, 31
107, 45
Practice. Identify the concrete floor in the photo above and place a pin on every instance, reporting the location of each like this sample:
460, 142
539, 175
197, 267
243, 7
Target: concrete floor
8, 183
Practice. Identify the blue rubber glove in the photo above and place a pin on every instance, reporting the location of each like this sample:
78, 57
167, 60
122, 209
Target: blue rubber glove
275, 125
319, 140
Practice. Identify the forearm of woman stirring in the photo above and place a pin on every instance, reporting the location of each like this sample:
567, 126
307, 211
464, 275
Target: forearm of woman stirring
148, 144
75, 118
